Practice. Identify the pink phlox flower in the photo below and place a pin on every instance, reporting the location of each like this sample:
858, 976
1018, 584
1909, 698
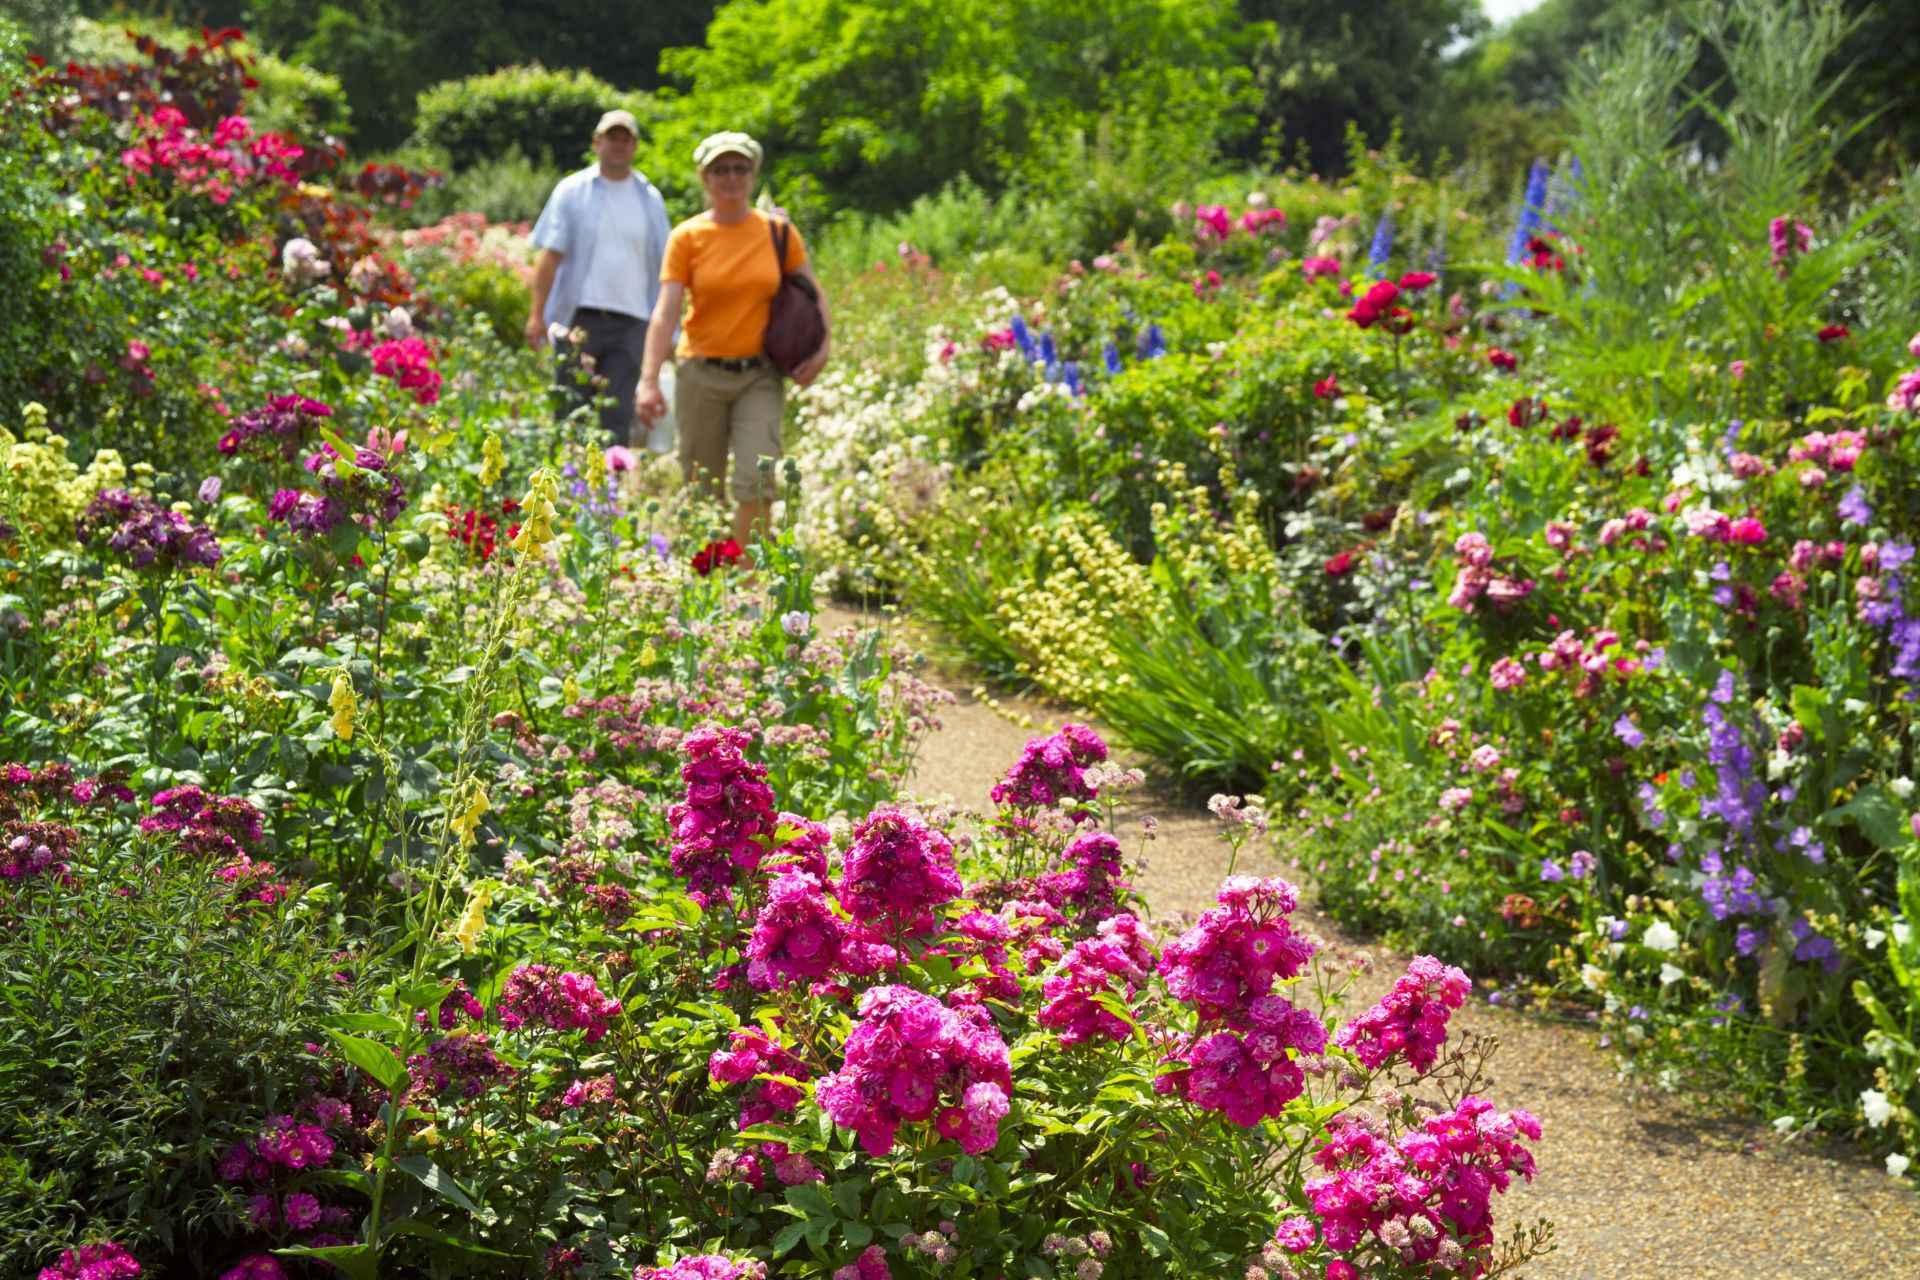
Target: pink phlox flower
897, 869
1411, 1020
749, 1055
908, 1056
727, 805
1236, 951
1052, 769
101, 1260
542, 995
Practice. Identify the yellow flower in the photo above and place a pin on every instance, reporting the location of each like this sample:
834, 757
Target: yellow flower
468, 817
570, 689
537, 512
473, 920
343, 704
493, 462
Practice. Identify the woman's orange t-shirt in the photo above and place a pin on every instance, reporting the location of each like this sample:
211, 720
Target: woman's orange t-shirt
730, 277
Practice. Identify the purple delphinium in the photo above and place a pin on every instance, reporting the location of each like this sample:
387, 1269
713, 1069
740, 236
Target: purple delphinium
1853, 508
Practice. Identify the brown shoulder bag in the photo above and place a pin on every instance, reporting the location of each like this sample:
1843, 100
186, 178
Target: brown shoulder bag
795, 327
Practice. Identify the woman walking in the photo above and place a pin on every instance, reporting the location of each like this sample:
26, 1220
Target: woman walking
727, 393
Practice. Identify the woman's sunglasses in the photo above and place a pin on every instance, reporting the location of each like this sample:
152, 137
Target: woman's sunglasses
730, 170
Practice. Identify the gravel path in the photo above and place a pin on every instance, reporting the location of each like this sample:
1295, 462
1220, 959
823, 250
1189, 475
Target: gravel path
1637, 1192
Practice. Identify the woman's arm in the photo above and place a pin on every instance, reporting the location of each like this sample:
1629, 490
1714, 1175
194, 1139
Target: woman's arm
648, 402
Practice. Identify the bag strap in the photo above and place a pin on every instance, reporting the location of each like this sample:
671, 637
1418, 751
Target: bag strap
777, 228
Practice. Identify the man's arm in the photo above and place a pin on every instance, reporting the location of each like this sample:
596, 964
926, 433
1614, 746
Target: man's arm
648, 402
544, 268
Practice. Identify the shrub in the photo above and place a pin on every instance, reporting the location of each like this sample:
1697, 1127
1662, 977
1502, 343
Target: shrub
152, 1012
549, 115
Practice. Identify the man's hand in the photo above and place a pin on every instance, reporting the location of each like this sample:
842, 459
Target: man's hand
536, 331
809, 369
649, 403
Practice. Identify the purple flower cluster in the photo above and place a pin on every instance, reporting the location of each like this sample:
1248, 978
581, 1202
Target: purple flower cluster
102, 1260
545, 996
1091, 885
32, 849
1429, 1195
911, 1060
1118, 951
750, 1054
1051, 769
279, 428
145, 534
799, 937
369, 493
1411, 1020
897, 869
224, 827
463, 1058
728, 804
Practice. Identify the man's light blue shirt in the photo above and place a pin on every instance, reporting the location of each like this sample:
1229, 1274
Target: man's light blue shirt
569, 225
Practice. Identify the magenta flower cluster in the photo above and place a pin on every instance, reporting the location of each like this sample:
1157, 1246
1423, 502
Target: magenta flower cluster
708, 1266
1428, 1195
1052, 769
749, 1054
897, 869
1411, 1020
543, 995
409, 362
464, 1059
148, 536
222, 827
1225, 967
1119, 952
102, 1260
913, 1060
728, 804
285, 1142
280, 428
799, 937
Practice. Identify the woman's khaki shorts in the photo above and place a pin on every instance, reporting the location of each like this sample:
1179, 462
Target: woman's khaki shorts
717, 408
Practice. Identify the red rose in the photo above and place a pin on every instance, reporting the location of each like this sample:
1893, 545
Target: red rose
1377, 304
1500, 359
1341, 565
1833, 333
1328, 387
1414, 281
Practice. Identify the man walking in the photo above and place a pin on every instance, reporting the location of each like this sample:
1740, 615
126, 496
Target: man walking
601, 238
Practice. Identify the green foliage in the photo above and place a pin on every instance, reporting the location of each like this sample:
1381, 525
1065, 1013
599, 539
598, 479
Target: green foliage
1320, 68
871, 107
26, 206
153, 1021
545, 116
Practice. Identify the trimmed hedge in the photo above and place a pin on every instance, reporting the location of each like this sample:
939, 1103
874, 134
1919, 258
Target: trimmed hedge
548, 115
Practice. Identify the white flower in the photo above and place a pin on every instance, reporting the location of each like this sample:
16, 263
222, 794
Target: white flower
399, 324
1901, 932
1671, 974
1897, 1164
1874, 1105
1874, 938
1592, 976
1901, 787
1661, 936
796, 623
1854, 706
1783, 1124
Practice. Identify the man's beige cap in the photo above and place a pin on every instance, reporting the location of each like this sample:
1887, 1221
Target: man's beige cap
617, 119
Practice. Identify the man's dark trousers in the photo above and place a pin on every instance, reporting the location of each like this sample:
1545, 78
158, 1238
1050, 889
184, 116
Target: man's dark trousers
618, 343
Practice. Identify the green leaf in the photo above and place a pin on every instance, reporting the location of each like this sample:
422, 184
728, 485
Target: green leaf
373, 1058
788, 1236
1878, 818
435, 1179
360, 1261
1156, 1240
426, 1231
810, 1199
847, 1196
367, 1022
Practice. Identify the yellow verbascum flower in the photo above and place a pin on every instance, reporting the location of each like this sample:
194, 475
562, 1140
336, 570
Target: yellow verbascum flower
473, 920
493, 462
343, 703
570, 690
537, 512
467, 816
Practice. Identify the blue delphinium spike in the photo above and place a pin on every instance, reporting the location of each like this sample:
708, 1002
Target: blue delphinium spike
1531, 204
1111, 354
1153, 343
1049, 353
1023, 337
1071, 372
1382, 247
